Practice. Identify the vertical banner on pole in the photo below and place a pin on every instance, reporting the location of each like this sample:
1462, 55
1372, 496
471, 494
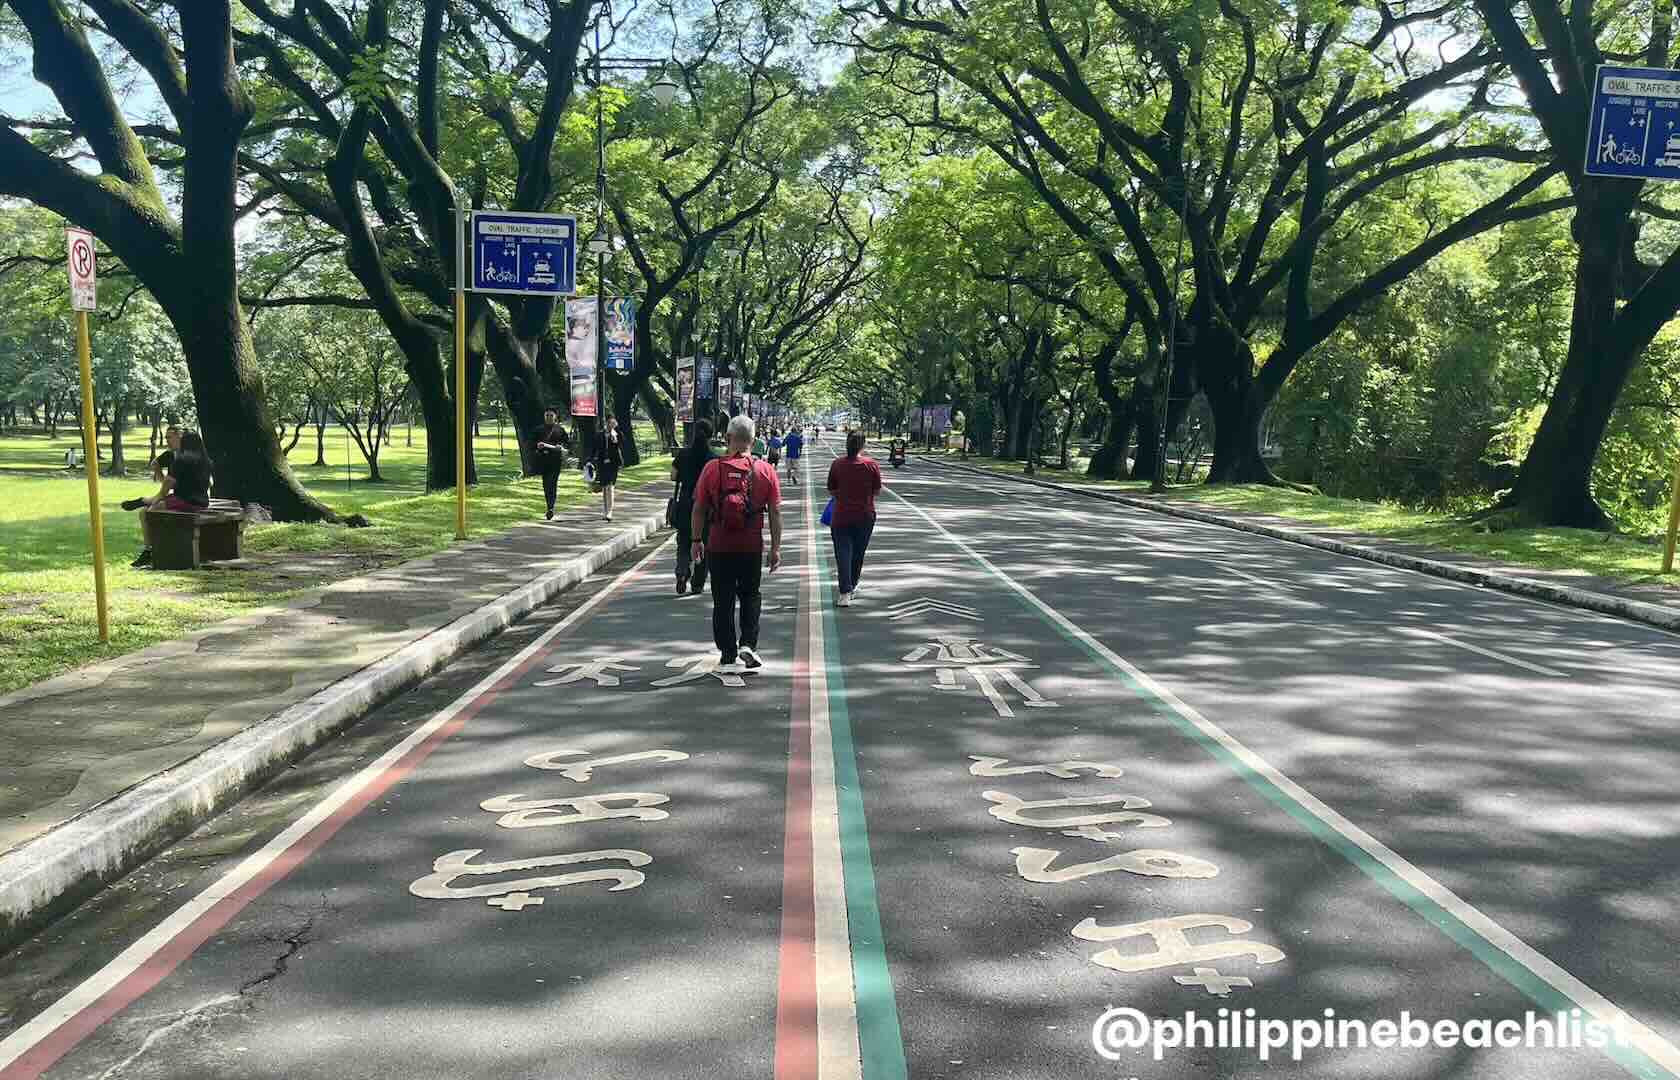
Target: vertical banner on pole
580, 354
685, 388
84, 297
726, 396
704, 386
620, 314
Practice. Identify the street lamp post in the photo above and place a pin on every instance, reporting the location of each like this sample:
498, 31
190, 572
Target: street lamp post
600, 243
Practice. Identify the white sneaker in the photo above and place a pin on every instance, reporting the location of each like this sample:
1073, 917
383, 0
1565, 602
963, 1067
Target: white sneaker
845, 599
749, 658
734, 667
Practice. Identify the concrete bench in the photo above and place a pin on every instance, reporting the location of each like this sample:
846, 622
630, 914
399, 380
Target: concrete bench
183, 541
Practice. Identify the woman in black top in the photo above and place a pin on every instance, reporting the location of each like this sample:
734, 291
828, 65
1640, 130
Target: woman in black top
685, 470
608, 457
188, 487
551, 441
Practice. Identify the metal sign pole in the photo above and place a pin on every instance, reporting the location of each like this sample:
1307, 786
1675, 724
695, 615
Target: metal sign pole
462, 223
83, 298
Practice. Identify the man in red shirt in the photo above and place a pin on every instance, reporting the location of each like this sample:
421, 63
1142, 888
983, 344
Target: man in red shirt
735, 494
854, 480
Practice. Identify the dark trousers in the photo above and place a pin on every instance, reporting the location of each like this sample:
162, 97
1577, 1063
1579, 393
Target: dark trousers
551, 481
735, 575
850, 544
685, 549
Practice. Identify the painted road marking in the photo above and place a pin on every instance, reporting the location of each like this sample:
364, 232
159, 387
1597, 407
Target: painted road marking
921, 605
816, 997
1414, 631
1542, 980
875, 1032
32, 1048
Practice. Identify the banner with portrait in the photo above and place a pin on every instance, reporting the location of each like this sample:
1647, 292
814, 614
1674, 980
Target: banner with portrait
726, 396
703, 373
685, 388
620, 315
580, 354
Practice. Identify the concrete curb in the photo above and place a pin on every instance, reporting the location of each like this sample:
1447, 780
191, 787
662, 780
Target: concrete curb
1663, 618
63, 866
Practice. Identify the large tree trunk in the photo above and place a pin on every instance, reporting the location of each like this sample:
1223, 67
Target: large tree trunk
1224, 367
1554, 486
202, 297
1110, 459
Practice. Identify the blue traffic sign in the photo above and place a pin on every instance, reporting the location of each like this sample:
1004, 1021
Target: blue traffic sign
527, 253
1634, 129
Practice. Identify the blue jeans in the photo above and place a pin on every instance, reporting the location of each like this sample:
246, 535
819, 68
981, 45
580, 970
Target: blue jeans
850, 544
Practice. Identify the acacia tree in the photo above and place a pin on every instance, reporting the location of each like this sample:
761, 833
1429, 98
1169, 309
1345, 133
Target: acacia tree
1130, 120
1553, 56
186, 262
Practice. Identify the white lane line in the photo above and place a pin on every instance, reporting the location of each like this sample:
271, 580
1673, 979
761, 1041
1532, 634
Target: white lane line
838, 1054
1277, 587
1414, 631
137, 955
1597, 1005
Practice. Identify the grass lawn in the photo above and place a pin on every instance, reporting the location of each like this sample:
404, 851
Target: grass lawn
47, 616
1623, 558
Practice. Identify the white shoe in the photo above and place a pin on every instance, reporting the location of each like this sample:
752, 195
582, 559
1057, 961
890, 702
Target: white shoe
734, 667
749, 658
845, 599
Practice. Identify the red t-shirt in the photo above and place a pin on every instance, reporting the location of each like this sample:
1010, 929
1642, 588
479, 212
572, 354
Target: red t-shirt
854, 482
766, 491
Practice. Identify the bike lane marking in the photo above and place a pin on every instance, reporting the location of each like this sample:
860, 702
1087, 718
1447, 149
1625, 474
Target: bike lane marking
817, 1002
873, 1034
36, 1045
1550, 986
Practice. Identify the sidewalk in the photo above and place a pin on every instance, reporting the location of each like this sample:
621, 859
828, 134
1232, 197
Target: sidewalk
1651, 603
106, 763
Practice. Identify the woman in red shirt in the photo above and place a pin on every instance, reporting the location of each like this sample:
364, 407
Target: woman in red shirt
854, 480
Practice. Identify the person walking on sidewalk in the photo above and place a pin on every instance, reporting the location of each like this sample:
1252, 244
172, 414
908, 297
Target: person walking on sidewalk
550, 442
794, 445
854, 481
734, 496
685, 470
608, 459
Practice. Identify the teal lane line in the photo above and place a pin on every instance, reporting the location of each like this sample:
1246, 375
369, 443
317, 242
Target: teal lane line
880, 1039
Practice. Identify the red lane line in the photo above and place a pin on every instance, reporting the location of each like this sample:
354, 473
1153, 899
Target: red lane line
796, 990
66, 1036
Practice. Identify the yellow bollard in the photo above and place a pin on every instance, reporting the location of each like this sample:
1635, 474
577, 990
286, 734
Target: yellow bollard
1673, 519
90, 461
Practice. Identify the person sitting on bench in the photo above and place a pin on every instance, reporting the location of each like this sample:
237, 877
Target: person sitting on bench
186, 489
160, 471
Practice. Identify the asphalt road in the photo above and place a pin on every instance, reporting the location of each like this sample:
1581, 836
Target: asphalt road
1059, 757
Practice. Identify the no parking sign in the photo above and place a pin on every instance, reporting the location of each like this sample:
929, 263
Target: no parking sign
84, 292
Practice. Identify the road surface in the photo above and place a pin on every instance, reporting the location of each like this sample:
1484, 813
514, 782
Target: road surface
1059, 758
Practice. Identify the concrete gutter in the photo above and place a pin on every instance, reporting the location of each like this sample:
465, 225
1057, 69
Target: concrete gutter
1657, 615
53, 872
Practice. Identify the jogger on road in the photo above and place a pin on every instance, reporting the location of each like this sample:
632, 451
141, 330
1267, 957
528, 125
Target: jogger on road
854, 481
731, 501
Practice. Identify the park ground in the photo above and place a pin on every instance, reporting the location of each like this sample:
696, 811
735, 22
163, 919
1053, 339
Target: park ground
47, 615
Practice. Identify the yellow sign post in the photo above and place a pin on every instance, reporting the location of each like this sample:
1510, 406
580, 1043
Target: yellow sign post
83, 299
1673, 519
461, 220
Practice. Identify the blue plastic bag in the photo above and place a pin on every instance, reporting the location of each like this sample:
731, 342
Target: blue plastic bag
828, 512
